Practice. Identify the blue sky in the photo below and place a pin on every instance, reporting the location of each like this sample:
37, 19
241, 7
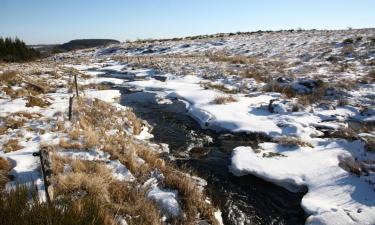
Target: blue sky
57, 21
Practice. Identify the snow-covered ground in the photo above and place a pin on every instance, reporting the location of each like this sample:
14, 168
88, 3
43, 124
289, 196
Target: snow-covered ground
307, 146
338, 172
33, 119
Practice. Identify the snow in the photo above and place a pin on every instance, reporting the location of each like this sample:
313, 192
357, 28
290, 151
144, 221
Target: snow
145, 134
332, 191
248, 114
101, 80
334, 196
11, 106
119, 171
104, 95
166, 199
218, 217
90, 155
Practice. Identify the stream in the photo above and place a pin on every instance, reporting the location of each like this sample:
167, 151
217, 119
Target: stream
242, 200
245, 200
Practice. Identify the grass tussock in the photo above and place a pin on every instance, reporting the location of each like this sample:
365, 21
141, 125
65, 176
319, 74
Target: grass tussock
4, 169
351, 165
95, 86
94, 179
258, 74
124, 198
131, 201
224, 57
290, 141
69, 144
220, 87
36, 101
193, 199
17, 208
219, 100
12, 145
81, 181
8, 76
369, 78
287, 90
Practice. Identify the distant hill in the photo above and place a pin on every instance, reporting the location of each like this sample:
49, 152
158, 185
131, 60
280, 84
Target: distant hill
85, 43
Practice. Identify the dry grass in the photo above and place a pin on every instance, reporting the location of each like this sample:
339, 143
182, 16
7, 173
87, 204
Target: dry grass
272, 155
4, 169
219, 100
36, 101
290, 141
258, 74
12, 145
95, 179
368, 78
92, 184
287, 90
16, 208
95, 86
28, 86
193, 200
223, 57
220, 87
351, 165
17, 120
68, 144
75, 132
369, 143
7, 76
124, 198
133, 203
316, 96
91, 137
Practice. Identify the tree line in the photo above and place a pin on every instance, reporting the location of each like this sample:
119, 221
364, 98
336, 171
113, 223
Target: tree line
15, 50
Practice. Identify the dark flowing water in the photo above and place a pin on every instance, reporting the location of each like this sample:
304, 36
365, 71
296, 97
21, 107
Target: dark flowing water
242, 200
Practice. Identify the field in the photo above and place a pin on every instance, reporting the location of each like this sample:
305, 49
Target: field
309, 93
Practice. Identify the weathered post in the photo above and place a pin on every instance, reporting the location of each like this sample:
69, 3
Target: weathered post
70, 107
76, 84
46, 165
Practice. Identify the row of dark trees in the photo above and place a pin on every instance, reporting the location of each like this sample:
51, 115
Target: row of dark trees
15, 50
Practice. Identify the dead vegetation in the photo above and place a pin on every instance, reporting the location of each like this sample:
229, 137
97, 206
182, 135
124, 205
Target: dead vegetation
17, 208
272, 155
224, 99
351, 165
4, 169
17, 85
12, 145
89, 131
287, 90
220, 87
36, 101
224, 57
290, 141
256, 73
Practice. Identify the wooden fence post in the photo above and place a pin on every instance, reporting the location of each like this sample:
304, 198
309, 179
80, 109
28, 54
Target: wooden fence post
70, 107
76, 84
46, 165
